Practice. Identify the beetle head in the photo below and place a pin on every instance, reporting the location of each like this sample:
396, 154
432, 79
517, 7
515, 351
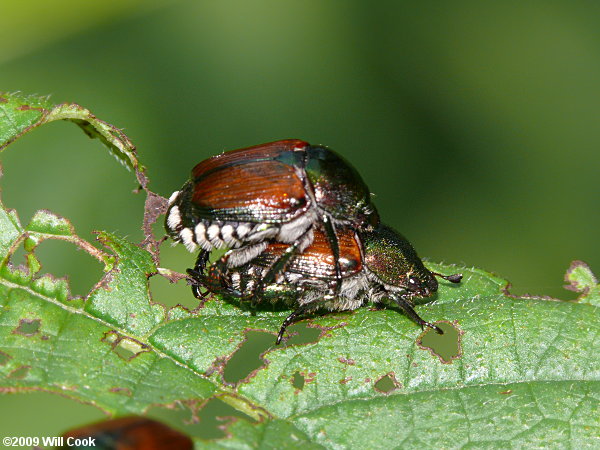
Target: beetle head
389, 256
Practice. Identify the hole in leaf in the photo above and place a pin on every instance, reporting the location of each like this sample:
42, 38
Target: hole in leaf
62, 259
301, 333
45, 411
208, 422
178, 259
246, 358
21, 266
59, 168
129, 349
445, 346
387, 383
28, 327
20, 372
125, 347
110, 337
18, 258
215, 416
298, 381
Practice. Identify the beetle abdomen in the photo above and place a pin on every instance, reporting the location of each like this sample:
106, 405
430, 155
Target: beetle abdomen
194, 231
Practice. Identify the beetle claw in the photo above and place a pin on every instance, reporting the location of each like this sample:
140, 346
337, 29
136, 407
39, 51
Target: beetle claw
437, 329
454, 278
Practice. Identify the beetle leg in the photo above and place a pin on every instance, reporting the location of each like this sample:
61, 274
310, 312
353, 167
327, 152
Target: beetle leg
197, 273
335, 249
290, 319
279, 264
202, 261
407, 307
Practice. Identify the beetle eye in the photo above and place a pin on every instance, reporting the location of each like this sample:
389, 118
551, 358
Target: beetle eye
413, 281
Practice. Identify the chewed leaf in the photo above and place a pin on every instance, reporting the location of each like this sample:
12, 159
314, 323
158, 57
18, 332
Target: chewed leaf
51, 341
519, 371
9, 230
581, 279
22, 113
128, 281
46, 222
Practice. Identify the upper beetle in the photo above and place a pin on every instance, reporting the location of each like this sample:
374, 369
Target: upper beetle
280, 191
375, 265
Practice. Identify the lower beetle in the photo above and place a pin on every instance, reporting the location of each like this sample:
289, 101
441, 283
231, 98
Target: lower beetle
374, 265
280, 191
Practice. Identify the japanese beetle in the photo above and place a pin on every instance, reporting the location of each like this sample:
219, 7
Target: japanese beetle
374, 265
281, 191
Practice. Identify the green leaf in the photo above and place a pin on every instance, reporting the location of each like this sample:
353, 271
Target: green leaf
582, 280
81, 354
520, 371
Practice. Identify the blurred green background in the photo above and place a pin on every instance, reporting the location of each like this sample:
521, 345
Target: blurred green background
474, 123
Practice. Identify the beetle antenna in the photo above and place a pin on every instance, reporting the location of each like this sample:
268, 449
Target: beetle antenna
454, 278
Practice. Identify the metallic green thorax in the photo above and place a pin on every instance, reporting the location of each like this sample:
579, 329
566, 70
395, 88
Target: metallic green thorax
394, 260
338, 187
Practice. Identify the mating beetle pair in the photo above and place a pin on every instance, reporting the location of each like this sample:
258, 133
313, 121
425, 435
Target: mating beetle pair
278, 191
301, 227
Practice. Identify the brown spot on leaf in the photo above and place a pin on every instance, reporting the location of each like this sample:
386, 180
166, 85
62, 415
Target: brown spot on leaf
121, 390
508, 391
345, 380
217, 366
28, 327
3, 99
310, 377
29, 108
20, 372
350, 362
